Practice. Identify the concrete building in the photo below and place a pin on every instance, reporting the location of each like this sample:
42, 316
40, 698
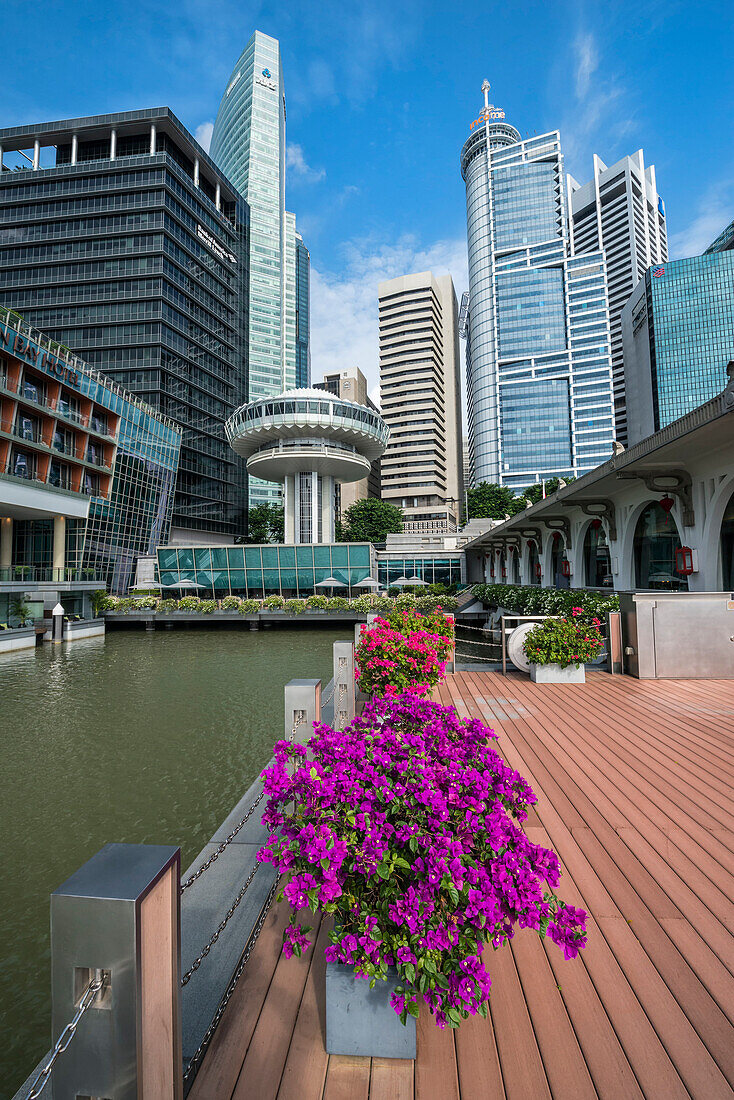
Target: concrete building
248, 144
121, 239
87, 475
309, 440
657, 517
422, 469
621, 212
678, 338
351, 385
540, 388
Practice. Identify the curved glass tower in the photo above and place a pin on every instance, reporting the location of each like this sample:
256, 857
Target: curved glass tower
540, 386
248, 144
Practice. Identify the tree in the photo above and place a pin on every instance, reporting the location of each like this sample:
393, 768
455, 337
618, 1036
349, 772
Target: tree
534, 493
490, 501
266, 523
370, 520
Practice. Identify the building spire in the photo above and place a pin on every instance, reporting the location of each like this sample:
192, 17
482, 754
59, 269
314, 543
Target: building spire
485, 89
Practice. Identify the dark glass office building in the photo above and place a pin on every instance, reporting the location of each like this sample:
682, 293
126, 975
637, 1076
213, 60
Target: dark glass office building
724, 242
303, 301
121, 239
678, 337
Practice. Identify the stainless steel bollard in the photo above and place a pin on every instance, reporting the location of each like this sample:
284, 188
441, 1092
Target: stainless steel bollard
120, 913
451, 662
57, 630
343, 684
302, 708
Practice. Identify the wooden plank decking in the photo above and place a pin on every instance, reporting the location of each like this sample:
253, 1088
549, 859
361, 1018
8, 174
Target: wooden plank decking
634, 782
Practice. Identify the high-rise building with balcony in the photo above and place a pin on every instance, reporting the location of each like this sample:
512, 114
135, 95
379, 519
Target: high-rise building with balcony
248, 144
121, 239
422, 468
540, 388
621, 212
351, 385
678, 337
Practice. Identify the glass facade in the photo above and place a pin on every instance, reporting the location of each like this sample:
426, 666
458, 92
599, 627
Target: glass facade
440, 570
540, 399
266, 570
248, 143
303, 307
690, 316
132, 251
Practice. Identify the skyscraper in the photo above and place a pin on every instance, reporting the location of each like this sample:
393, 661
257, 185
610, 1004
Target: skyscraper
303, 311
121, 239
248, 144
541, 382
351, 385
678, 336
724, 242
422, 468
619, 211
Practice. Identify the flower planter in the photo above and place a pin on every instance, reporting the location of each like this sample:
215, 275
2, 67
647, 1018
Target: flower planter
361, 1021
554, 674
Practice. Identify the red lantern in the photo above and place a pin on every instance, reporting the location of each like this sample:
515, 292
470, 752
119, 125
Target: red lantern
596, 524
667, 503
565, 568
491, 570
556, 536
538, 570
504, 571
684, 561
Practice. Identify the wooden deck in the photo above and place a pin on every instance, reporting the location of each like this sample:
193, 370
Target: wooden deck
634, 782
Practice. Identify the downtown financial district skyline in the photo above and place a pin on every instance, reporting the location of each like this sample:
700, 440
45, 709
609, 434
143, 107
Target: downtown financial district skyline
182, 277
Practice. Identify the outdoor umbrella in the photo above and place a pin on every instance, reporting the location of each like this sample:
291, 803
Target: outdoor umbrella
399, 582
329, 583
184, 584
416, 580
368, 582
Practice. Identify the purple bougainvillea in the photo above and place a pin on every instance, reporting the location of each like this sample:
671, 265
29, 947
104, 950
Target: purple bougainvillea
406, 827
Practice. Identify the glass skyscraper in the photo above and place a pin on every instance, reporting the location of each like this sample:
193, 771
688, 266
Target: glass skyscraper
303, 321
540, 387
122, 240
678, 337
248, 144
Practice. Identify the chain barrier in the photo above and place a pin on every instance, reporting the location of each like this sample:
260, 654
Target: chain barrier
472, 657
478, 629
225, 843
470, 641
94, 987
328, 698
216, 934
208, 1034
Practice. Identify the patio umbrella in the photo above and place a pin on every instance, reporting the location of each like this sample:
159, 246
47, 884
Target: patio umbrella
184, 584
398, 583
329, 583
368, 582
416, 580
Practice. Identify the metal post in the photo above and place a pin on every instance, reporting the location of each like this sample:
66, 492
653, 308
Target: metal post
74, 148
152, 140
343, 684
615, 661
36, 155
113, 144
120, 914
57, 633
302, 709
451, 663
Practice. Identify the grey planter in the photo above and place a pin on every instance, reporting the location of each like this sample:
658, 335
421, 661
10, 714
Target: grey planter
361, 1021
554, 674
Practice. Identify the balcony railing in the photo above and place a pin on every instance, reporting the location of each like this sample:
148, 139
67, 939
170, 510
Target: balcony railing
30, 473
26, 574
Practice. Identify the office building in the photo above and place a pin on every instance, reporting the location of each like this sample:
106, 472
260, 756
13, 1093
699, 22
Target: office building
724, 242
540, 393
351, 385
303, 314
87, 475
310, 441
621, 212
422, 468
122, 240
678, 337
248, 144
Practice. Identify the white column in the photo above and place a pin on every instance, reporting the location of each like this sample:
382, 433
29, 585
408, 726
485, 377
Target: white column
1, 158
218, 198
290, 509
6, 542
74, 148
59, 548
196, 171
36, 155
327, 509
152, 140
113, 144
315, 506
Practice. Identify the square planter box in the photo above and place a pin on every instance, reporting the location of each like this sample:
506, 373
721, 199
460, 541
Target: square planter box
554, 674
361, 1021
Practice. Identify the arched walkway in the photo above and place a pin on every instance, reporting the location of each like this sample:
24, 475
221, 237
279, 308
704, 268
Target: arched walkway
655, 541
596, 556
726, 539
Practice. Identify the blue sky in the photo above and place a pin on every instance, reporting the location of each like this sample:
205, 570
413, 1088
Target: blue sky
380, 96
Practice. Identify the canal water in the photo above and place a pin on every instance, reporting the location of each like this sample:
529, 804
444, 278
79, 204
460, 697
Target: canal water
139, 737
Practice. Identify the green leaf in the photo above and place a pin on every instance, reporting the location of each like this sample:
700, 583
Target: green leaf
325, 864
413, 1008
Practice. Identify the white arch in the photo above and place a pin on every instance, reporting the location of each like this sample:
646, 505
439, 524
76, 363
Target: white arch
709, 550
626, 578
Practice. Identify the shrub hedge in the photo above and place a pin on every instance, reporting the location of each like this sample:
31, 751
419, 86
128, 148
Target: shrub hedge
531, 599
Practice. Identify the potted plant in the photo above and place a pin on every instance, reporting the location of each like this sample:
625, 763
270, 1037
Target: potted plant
404, 827
558, 648
405, 651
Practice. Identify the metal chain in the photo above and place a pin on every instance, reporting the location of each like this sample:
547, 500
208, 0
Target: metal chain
472, 657
329, 697
216, 934
478, 629
227, 841
208, 1034
95, 985
470, 642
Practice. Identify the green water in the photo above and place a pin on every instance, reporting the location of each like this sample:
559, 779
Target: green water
142, 738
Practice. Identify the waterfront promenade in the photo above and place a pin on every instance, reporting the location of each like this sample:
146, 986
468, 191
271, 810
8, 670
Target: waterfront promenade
634, 781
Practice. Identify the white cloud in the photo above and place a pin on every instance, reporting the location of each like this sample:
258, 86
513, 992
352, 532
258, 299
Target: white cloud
344, 326
587, 62
203, 134
296, 163
597, 114
715, 211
